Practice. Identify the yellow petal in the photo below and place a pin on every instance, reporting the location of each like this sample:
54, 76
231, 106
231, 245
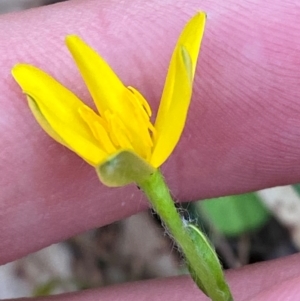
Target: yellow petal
177, 92
42, 121
191, 37
104, 85
60, 108
110, 95
168, 131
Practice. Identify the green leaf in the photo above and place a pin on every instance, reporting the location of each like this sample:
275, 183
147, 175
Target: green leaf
297, 188
47, 288
236, 214
211, 264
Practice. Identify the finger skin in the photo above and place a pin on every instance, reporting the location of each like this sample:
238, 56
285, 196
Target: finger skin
287, 290
269, 281
243, 127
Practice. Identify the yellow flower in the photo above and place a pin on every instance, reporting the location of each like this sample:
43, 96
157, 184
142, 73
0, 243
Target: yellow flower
123, 118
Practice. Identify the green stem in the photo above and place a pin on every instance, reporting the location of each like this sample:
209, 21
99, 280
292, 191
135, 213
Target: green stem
201, 259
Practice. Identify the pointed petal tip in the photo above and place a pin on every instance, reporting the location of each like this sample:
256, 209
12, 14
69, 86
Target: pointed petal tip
177, 92
198, 20
200, 15
21, 72
74, 42
19, 67
71, 38
15, 68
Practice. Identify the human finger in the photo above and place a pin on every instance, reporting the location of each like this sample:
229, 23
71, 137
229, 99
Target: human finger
241, 134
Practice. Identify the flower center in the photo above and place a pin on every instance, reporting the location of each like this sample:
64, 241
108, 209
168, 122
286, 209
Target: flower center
131, 130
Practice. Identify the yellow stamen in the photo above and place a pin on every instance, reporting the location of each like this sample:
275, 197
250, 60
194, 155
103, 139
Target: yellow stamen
98, 128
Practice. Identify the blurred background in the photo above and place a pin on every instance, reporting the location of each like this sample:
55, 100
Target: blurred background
244, 229
7, 6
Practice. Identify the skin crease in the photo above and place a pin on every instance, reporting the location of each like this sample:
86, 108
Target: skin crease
242, 132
